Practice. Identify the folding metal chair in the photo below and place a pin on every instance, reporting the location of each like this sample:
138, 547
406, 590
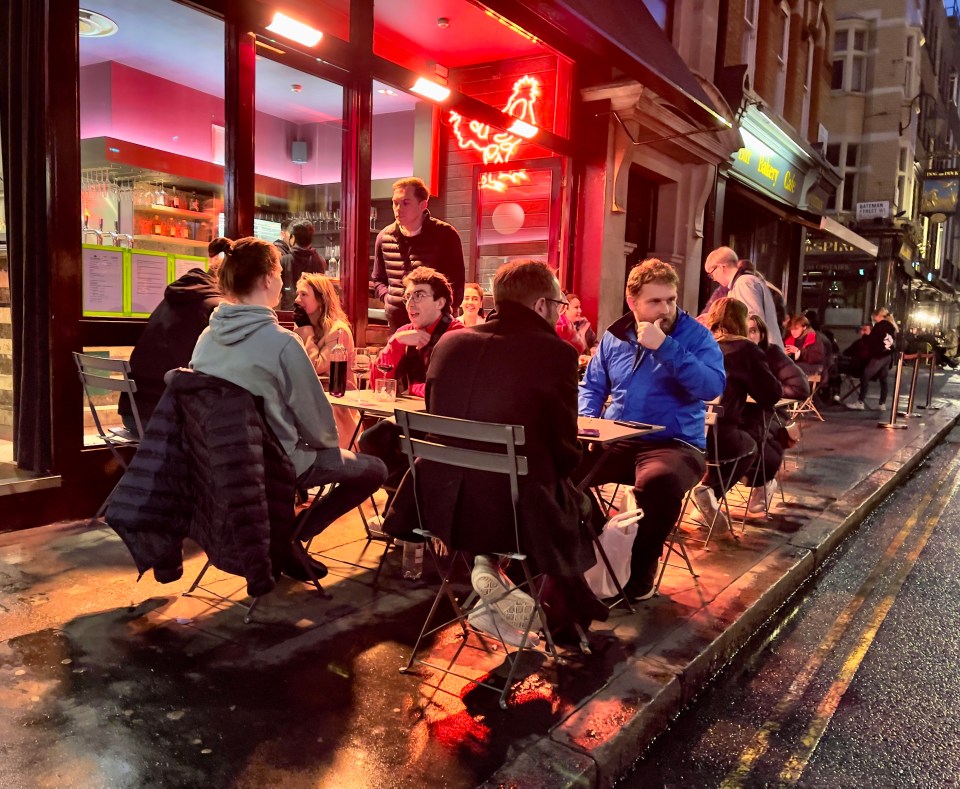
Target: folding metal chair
449, 442
97, 373
727, 482
808, 406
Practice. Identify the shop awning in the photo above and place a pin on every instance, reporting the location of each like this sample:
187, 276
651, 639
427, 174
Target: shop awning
624, 34
834, 228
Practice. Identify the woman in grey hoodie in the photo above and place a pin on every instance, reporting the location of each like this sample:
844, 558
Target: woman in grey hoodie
246, 345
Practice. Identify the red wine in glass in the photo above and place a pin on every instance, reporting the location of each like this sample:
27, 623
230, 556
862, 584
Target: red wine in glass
384, 367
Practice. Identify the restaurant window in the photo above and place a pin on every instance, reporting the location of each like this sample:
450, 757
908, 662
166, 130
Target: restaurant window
151, 153
849, 60
298, 158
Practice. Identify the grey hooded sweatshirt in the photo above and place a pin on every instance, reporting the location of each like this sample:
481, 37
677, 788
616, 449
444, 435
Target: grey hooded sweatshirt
244, 344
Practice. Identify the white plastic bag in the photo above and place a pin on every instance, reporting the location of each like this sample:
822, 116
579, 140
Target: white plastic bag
617, 540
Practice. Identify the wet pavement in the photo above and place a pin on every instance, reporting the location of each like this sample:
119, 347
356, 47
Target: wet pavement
107, 682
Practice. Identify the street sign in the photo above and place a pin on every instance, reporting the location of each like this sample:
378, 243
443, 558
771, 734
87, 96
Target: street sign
878, 209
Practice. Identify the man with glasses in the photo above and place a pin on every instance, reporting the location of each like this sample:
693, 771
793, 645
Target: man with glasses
743, 283
428, 299
657, 365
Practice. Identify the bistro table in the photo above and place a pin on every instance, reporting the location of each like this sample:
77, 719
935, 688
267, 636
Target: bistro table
365, 401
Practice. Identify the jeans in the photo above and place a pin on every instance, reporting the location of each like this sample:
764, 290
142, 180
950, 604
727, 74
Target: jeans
356, 477
661, 474
876, 369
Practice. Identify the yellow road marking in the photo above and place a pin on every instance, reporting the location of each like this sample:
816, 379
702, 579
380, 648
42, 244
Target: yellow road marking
761, 740
828, 705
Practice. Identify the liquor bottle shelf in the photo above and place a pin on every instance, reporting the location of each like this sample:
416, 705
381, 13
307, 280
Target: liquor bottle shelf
180, 213
187, 242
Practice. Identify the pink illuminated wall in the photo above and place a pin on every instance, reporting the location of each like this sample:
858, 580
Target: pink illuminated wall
131, 105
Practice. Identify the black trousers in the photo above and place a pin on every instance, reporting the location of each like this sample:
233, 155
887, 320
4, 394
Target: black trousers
661, 475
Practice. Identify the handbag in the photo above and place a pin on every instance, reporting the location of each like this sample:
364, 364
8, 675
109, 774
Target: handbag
789, 434
617, 540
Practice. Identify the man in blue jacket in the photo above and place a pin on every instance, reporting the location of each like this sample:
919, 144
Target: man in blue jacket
658, 365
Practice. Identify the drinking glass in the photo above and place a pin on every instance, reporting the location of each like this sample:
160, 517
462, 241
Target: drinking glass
386, 390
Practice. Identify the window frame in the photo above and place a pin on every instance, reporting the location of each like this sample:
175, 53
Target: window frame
850, 56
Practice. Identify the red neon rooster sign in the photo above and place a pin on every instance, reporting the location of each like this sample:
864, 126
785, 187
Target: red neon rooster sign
500, 147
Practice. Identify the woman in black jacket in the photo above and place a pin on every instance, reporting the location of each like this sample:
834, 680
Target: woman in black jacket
748, 374
764, 430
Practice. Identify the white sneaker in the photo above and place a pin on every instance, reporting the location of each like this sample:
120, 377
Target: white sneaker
488, 621
706, 501
756, 505
857, 406
499, 592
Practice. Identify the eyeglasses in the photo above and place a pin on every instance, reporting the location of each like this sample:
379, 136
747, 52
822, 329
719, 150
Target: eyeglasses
417, 296
712, 271
562, 302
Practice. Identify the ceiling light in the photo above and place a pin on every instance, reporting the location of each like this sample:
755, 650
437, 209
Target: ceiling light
430, 90
387, 92
284, 26
94, 25
523, 129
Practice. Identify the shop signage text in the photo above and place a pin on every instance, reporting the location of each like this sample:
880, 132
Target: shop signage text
879, 209
758, 164
830, 246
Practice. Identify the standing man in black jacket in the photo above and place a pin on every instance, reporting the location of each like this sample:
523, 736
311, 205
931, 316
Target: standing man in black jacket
414, 239
302, 259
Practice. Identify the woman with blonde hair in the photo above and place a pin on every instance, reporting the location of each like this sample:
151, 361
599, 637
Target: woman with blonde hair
321, 323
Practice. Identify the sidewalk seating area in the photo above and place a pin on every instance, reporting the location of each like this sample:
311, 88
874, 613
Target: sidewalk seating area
110, 681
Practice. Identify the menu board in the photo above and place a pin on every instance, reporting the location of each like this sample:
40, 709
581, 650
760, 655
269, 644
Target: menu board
102, 280
182, 265
120, 283
148, 280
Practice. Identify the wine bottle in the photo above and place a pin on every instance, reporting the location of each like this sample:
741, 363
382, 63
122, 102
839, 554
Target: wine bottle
157, 227
338, 367
175, 199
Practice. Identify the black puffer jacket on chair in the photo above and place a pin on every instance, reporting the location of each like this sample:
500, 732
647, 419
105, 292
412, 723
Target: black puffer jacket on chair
208, 468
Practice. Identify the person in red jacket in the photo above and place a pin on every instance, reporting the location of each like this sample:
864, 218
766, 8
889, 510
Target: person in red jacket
428, 298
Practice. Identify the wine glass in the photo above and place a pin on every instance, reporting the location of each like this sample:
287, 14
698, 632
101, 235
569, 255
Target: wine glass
361, 368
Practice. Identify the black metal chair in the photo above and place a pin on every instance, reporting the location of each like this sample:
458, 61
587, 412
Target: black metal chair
98, 373
451, 442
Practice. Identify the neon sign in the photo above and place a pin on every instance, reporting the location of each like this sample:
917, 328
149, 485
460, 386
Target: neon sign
500, 147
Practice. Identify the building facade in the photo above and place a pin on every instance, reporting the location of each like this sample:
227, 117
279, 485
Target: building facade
893, 131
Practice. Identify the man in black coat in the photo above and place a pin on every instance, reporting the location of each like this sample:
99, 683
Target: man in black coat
414, 239
513, 369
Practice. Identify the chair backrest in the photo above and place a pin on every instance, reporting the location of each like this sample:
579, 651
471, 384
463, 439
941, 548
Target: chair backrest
447, 441
97, 372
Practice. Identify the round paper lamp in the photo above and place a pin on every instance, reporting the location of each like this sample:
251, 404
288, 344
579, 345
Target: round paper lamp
507, 218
